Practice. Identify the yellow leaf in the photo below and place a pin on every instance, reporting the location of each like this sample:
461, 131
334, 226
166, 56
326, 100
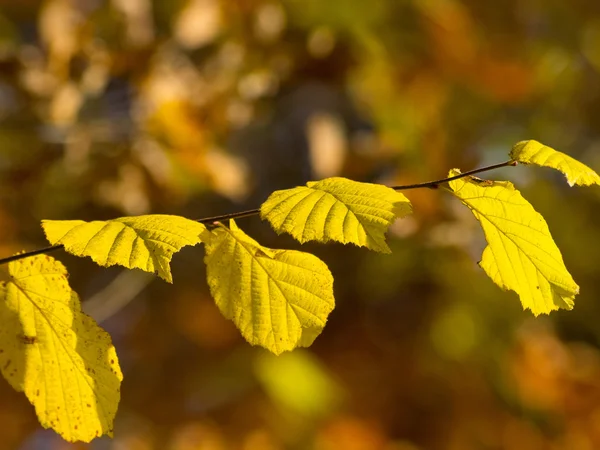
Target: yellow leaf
521, 254
336, 209
59, 357
143, 242
279, 299
533, 152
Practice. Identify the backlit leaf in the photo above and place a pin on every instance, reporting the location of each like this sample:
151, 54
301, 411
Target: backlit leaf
279, 299
59, 357
521, 254
533, 152
142, 242
336, 209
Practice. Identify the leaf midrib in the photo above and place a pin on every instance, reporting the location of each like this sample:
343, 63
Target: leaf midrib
470, 206
246, 246
83, 375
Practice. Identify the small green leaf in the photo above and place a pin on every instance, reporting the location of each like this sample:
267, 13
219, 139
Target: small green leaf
521, 254
59, 357
279, 299
533, 152
336, 209
142, 242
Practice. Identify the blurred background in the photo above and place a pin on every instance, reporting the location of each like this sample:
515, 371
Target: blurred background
203, 107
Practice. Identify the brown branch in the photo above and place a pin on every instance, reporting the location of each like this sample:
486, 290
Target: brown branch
31, 253
435, 184
236, 215
252, 212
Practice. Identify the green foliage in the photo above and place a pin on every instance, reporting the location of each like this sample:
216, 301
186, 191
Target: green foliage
279, 299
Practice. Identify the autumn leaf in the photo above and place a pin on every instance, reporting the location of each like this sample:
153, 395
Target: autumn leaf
521, 254
59, 357
279, 299
142, 242
533, 152
336, 209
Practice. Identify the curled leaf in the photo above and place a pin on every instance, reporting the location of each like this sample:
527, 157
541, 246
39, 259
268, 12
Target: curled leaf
533, 152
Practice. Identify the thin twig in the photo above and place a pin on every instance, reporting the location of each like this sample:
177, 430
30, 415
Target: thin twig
435, 184
252, 212
236, 215
31, 253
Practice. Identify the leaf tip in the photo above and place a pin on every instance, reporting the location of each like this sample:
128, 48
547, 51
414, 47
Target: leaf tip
385, 251
165, 275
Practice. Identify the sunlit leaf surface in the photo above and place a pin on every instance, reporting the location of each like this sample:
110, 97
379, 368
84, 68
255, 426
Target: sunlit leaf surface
336, 209
59, 357
279, 299
533, 152
142, 242
521, 254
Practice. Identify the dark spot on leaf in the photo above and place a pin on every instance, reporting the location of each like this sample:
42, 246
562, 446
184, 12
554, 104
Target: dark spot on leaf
481, 181
75, 426
112, 361
88, 405
537, 287
7, 364
28, 339
37, 394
